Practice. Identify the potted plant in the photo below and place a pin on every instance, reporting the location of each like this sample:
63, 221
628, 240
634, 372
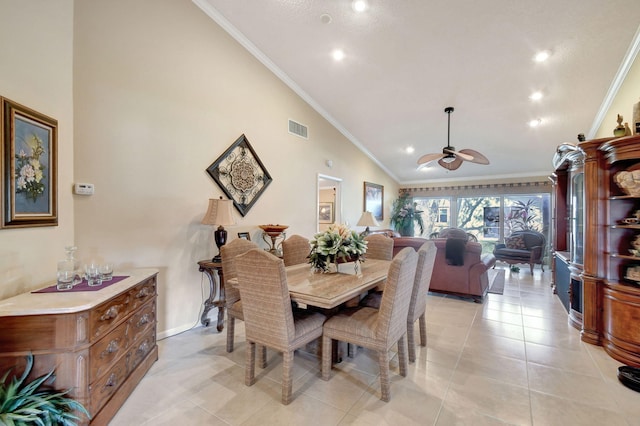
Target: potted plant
25, 403
337, 244
405, 215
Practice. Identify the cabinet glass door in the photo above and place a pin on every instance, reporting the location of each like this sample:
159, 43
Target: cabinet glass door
577, 218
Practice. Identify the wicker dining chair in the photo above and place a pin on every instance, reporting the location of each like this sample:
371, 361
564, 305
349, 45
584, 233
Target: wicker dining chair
379, 247
377, 329
418, 305
233, 304
295, 250
269, 318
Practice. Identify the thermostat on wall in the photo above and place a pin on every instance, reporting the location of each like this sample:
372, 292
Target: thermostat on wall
83, 188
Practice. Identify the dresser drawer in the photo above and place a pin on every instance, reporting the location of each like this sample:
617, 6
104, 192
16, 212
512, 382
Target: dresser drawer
141, 321
104, 353
103, 389
104, 317
143, 292
141, 349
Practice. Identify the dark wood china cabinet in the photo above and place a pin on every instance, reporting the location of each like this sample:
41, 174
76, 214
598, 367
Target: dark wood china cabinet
568, 229
610, 275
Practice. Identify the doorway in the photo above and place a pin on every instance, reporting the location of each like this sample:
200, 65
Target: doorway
329, 206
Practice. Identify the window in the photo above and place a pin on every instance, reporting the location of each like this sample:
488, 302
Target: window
443, 215
437, 214
490, 218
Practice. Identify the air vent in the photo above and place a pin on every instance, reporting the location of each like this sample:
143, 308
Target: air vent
298, 129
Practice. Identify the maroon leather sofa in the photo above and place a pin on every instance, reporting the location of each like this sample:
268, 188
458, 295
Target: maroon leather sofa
470, 279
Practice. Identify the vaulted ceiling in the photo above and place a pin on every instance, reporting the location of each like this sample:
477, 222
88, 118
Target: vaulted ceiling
405, 61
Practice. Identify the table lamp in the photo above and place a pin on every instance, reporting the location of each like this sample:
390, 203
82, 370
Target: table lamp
367, 220
219, 213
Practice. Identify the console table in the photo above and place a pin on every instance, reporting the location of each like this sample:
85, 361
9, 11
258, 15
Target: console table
100, 343
213, 270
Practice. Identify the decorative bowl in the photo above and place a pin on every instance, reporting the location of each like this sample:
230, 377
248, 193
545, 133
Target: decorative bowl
273, 230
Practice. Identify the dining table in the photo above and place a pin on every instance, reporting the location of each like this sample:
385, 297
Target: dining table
327, 291
330, 290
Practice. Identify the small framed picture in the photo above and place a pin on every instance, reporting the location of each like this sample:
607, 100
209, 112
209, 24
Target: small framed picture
373, 199
325, 212
244, 236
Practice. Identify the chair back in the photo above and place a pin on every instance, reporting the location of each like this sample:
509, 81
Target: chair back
295, 250
228, 253
392, 315
422, 280
266, 303
379, 247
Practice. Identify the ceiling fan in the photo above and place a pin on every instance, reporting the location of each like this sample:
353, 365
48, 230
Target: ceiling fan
451, 159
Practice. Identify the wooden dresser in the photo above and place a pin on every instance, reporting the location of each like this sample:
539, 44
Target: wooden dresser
100, 343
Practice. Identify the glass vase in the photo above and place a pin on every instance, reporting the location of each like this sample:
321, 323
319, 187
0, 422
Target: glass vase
71, 260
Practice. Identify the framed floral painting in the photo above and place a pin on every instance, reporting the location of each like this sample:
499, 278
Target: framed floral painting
29, 167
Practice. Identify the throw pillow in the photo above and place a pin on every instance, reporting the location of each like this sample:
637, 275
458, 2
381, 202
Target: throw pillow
515, 242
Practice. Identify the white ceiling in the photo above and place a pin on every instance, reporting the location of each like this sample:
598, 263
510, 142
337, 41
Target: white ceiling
406, 60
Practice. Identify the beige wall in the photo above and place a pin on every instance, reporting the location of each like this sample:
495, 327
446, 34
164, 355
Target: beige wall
36, 59
622, 104
147, 95
160, 92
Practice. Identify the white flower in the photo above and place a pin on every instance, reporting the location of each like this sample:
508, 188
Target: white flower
28, 173
21, 183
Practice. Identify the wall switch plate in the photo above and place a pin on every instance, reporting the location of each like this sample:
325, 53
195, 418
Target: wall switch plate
83, 188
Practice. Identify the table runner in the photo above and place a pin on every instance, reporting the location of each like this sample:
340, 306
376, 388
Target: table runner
83, 286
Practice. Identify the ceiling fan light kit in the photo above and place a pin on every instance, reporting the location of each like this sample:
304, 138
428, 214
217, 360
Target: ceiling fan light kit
451, 159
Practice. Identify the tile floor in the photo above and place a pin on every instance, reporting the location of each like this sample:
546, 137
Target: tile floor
510, 360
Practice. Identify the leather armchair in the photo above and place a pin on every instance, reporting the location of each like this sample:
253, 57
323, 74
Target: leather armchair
469, 279
522, 247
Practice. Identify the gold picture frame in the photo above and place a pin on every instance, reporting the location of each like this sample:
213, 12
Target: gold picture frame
29, 167
374, 200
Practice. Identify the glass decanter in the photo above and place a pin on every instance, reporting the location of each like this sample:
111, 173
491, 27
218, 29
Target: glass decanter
77, 275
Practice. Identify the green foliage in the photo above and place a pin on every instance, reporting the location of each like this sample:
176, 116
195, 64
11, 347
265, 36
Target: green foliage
404, 213
338, 243
522, 216
22, 403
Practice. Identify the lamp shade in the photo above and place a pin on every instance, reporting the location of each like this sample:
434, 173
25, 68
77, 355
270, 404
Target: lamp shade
219, 213
367, 219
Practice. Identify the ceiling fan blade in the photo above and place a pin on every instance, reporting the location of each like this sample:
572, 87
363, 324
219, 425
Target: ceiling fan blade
476, 157
453, 165
460, 154
429, 157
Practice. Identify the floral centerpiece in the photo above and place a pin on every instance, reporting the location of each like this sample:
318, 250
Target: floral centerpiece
404, 214
336, 244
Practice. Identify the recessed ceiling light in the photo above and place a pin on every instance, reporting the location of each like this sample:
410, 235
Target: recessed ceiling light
338, 54
410, 150
535, 123
536, 96
325, 18
359, 5
542, 56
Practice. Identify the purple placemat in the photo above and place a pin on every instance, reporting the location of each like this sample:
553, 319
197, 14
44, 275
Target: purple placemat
83, 286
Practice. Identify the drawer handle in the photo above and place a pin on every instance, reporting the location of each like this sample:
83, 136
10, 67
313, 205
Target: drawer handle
144, 292
112, 381
143, 348
111, 313
144, 320
111, 348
